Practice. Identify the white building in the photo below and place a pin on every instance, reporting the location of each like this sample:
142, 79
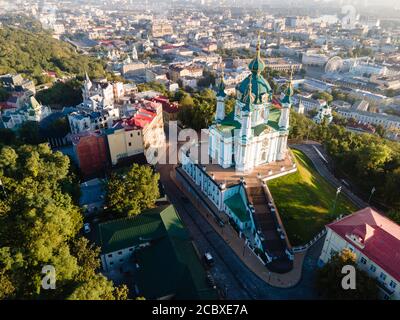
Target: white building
31, 111
365, 117
375, 240
324, 115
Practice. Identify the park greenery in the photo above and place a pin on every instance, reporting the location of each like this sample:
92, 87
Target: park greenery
61, 94
40, 225
33, 53
365, 160
197, 111
329, 279
129, 192
312, 201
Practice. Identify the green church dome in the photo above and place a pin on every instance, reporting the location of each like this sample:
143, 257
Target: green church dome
259, 86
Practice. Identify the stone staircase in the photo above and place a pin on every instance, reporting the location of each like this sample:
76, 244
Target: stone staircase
265, 221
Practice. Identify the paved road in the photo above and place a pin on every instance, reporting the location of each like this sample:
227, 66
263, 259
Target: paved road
229, 272
323, 170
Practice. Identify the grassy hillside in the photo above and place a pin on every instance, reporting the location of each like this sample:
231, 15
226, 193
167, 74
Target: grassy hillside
31, 53
305, 201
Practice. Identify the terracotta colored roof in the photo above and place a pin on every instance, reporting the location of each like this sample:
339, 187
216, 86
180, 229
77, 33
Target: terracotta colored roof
379, 236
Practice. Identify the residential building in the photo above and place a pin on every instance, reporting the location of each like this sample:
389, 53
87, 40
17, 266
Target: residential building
156, 246
365, 117
30, 111
90, 149
142, 131
375, 240
161, 28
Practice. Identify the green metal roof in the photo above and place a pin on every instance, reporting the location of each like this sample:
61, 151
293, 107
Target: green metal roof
221, 89
258, 130
227, 125
123, 233
259, 87
236, 204
170, 265
273, 119
288, 94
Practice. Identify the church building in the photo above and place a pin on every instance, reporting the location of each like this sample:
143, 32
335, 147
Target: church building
256, 132
247, 147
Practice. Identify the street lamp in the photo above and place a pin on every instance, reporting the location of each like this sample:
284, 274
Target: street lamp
370, 196
338, 190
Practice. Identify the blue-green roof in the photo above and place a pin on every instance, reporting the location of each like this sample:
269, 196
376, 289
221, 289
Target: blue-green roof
221, 89
273, 118
259, 87
228, 125
237, 206
288, 94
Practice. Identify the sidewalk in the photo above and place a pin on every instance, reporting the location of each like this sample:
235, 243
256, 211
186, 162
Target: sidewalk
238, 245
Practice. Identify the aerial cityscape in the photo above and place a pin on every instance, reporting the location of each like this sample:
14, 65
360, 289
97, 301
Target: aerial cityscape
200, 150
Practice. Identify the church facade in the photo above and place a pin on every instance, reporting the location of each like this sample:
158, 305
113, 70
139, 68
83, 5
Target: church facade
256, 132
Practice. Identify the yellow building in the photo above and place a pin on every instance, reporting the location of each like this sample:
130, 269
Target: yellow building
124, 142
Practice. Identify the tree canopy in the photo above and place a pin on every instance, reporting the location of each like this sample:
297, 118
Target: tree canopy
33, 53
329, 280
367, 160
61, 94
197, 111
131, 192
39, 225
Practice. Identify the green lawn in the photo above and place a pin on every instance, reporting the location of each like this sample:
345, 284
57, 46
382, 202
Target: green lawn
305, 201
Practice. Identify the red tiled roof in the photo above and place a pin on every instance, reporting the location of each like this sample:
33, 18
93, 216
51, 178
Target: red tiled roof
142, 117
276, 103
379, 235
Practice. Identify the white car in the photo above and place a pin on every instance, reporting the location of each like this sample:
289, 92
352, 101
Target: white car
209, 258
86, 227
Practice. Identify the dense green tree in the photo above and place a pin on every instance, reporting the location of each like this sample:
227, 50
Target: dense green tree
7, 136
61, 95
131, 192
324, 96
99, 288
57, 128
329, 280
34, 52
39, 225
29, 133
87, 256
230, 104
197, 111
394, 215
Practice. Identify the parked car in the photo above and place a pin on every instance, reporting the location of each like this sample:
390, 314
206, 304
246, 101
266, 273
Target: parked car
86, 227
209, 258
210, 281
